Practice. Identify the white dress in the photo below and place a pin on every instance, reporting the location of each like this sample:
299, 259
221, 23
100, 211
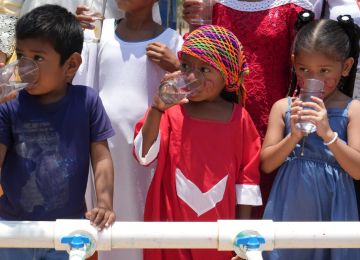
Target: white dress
127, 81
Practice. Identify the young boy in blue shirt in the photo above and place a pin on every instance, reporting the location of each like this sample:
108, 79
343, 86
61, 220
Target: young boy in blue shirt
49, 132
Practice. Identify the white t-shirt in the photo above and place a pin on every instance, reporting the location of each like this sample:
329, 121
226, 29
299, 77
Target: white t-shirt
127, 81
111, 9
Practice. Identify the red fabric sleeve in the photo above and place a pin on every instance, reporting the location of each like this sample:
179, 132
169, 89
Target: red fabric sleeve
251, 146
164, 132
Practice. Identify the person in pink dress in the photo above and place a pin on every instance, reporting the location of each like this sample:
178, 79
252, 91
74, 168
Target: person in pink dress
206, 145
266, 30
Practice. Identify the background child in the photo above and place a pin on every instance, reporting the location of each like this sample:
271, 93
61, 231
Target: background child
134, 54
318, 185
266, 30
208, 149
48, 131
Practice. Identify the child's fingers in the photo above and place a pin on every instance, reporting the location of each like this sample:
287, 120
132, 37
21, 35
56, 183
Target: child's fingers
170, 75
313, 106
99, 216
80, 9
318, 101
154, 54
155, 46
8, 97
89, 215
111, 219
108, 219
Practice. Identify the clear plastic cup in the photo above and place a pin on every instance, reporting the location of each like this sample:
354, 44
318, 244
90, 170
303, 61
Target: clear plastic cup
18, 75
204, 14
97, 14
181, 86
311, 87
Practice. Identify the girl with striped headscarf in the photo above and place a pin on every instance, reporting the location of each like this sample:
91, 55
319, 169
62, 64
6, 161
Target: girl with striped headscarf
206, 145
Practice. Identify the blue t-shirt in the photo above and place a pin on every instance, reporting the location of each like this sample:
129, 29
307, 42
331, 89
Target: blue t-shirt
46, 166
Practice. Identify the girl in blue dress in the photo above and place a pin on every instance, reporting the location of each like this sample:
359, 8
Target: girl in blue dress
315, 178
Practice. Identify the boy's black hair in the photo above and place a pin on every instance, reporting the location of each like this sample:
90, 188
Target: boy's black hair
337, 39
54, 24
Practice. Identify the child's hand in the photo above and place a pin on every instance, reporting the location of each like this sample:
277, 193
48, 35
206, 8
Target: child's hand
296, 108
84, 18
158, 103
12, 94
237, 258
101, 217
163, 56
2, 58
318, 116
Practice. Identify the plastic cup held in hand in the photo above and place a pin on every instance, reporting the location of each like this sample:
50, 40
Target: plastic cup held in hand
204, 14
97, 14
18, 75
181, 86
310, 88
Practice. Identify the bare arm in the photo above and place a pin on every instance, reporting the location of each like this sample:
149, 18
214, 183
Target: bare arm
276, 148
243, 211
348, 155
150, 129
102, 215
3, 150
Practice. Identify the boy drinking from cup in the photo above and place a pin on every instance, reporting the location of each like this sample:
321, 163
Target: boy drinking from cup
48, 132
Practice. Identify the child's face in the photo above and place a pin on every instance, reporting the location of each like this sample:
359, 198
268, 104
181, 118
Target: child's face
319, 66
213, 82
52, 76
133, 5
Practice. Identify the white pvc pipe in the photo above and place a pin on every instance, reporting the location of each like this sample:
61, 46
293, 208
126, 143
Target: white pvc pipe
165, 235
27, 234
317, 234
218, 235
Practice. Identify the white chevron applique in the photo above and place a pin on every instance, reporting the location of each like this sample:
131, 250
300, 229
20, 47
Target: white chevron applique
200, 202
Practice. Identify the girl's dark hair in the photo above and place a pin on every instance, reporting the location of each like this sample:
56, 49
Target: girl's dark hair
338, 39
53, 24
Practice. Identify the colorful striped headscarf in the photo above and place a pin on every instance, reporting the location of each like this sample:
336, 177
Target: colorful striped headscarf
221, 49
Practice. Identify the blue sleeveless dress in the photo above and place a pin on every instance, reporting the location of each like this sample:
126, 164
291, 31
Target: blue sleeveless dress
313, 187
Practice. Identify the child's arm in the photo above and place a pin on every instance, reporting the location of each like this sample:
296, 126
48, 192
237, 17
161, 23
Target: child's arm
243, 211
347, 155
150, 129
276, 148
3, 150
163, 56
102, 215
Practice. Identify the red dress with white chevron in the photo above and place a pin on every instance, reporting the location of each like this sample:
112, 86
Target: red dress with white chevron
204, 169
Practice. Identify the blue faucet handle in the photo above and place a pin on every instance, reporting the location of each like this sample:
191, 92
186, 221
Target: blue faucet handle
250, 241
76, 241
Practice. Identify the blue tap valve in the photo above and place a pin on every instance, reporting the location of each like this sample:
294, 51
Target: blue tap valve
251, 242
249, 239
76, 241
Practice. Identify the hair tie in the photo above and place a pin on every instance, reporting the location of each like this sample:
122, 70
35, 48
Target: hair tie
352, 31
304, 17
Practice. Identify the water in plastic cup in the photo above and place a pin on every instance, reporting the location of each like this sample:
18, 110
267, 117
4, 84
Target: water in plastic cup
175, 89
97, 14
311, 87
205, 13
